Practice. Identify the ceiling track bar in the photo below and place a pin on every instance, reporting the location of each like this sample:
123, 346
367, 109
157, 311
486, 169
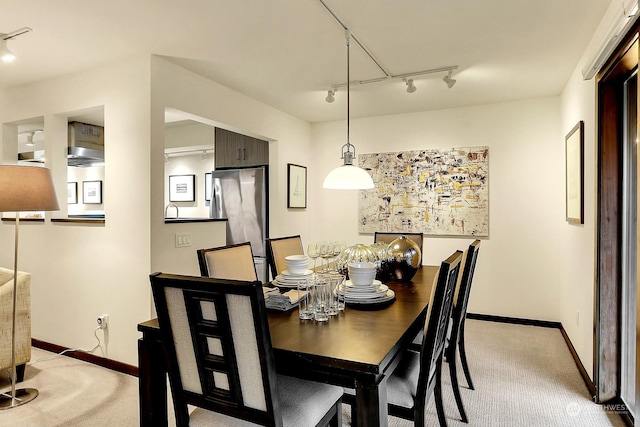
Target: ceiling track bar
397, 76
15, 33
353, 36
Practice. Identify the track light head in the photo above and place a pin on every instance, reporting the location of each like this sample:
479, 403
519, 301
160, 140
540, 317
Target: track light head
330, 96
410, 86
30, 142
5, 54
449, 80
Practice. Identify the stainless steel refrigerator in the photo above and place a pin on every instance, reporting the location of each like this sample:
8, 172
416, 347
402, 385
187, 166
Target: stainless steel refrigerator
241, 197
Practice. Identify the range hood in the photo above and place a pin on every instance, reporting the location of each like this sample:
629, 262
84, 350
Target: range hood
86, 144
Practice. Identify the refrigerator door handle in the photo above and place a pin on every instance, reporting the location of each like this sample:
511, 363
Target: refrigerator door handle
216, 199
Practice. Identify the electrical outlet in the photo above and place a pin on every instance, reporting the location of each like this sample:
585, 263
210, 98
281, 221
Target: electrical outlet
103, 321
577, 317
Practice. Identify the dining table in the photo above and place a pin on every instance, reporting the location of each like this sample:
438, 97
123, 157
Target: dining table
357, 348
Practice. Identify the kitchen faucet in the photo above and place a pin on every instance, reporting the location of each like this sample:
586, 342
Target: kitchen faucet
171, 205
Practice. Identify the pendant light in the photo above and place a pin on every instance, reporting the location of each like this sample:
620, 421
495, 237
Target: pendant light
348, 176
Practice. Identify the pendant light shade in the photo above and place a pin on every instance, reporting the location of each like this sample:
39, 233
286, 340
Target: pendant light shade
348, 176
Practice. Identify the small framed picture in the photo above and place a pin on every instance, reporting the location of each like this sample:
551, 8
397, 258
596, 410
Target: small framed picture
574, 145
72, 193
182, 188
207, 187
296, 186
92, 192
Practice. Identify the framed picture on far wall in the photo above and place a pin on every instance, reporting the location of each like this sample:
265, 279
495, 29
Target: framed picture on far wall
575, 174
72, 193
182, 188
92, 192
296, 186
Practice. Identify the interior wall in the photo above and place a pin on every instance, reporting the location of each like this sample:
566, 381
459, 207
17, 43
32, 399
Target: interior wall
518, 266
79, 175
577, 296
80, 271
176, 88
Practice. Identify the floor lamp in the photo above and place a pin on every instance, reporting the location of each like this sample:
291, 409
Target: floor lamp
22, 189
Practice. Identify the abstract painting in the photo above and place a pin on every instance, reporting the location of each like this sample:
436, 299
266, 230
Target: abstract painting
432, 191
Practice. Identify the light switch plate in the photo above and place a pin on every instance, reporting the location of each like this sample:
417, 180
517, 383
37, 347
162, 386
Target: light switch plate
183, 240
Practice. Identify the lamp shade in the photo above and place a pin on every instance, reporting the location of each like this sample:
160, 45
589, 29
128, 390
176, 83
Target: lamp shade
26, 188
348, 177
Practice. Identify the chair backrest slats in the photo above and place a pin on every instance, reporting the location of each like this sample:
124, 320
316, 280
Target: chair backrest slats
281, 247
461, 297
234, 262
218, 345
437, 322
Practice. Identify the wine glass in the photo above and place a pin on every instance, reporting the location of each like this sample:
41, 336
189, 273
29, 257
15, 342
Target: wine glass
337, 250
313, 251
326, 252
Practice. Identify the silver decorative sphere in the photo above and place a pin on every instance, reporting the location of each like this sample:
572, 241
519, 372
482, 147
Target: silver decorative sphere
404, 258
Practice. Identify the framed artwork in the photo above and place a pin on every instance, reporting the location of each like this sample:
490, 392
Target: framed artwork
296, 186
207, 186
182, 188
72, 193
574, 151
92, 192
433, 191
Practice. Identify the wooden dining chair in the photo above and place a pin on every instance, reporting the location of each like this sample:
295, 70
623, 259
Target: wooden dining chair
458, 316
388, 237
220, 360
233, 262
280, 247
418, 374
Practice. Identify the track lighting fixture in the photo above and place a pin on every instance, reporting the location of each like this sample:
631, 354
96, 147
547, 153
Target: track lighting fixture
386, 73
5, 54
449, 80
30, 142
330, 96
410, 86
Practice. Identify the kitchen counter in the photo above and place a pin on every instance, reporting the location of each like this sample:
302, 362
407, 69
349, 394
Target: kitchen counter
183, 220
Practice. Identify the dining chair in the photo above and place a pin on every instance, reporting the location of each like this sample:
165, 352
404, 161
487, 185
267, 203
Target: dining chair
458, 316
220, 360
233, 262
418, 374
280, 247
455, 338
388, 237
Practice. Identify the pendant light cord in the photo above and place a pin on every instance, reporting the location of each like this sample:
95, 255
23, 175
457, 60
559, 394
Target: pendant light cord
348, 37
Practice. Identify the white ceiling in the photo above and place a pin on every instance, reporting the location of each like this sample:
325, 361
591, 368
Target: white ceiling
288, 53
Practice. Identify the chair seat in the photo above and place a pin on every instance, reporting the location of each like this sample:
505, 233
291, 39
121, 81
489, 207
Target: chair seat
403, 383
303, 404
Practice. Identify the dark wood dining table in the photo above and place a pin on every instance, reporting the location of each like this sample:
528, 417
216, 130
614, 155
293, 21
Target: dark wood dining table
358, 349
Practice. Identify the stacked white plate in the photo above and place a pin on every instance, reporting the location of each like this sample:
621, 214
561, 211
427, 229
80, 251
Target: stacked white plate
290, 280
296, 264
373, 293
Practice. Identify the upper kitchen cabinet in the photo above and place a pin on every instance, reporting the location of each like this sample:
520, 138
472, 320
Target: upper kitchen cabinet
237, 150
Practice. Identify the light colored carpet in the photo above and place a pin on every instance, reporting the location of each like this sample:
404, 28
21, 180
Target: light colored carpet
524, 376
